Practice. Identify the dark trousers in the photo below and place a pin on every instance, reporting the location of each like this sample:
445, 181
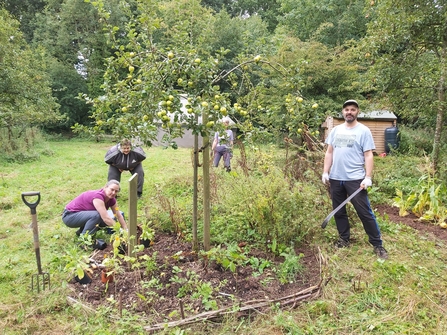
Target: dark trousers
114, 173
340, 190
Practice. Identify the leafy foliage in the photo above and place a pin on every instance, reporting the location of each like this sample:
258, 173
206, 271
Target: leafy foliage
265, 207
427, 200
409, 49
25, 94
332, 22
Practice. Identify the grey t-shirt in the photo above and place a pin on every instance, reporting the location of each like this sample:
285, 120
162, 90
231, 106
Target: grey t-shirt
225, 139
349, 145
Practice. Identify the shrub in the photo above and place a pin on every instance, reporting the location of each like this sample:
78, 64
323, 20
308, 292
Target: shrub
264, 208
415, 142
23, 145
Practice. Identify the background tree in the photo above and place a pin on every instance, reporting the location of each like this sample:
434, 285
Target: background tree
25, 94
267, 10
331, 22
408, 44
24, 11
73, 35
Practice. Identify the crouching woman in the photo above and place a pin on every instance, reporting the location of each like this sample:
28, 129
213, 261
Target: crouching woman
88, 211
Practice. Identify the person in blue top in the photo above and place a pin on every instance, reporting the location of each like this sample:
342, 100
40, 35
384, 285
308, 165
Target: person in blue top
348, 165
222, 146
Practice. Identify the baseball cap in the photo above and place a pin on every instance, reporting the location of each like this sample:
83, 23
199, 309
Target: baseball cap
350, 102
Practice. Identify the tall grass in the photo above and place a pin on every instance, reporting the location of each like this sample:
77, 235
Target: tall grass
403, 295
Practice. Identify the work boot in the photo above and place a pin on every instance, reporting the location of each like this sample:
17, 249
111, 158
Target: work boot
341, 243
380, 252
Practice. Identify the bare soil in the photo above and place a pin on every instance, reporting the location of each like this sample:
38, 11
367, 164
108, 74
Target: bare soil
424, 228
178, 269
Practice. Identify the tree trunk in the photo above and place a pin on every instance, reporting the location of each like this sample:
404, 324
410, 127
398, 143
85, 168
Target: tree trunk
440, 107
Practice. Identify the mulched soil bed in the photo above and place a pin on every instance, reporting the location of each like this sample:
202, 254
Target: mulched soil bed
175, 257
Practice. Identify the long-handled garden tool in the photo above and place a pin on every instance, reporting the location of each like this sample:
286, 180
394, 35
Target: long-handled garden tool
331, 214
41, 279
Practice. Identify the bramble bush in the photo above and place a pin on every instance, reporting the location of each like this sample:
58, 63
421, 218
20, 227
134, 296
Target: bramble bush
263, 207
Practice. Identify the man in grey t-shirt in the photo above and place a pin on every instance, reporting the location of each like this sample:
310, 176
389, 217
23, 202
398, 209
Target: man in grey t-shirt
348, 165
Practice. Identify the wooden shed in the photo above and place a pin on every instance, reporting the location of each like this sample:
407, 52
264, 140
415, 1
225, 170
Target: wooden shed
376, 121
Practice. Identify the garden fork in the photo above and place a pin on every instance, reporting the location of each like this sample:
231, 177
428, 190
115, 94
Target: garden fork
41, 279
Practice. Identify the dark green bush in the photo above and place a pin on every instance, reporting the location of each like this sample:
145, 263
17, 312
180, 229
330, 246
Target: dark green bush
415, 142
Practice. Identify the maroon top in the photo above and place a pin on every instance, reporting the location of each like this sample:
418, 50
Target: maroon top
84, 201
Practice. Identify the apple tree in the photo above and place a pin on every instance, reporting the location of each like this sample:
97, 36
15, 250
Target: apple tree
165, 76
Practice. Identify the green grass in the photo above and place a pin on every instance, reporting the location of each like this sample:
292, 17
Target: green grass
406, 294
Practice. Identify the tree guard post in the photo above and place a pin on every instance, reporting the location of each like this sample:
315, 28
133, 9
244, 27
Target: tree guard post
206, 188
132, 216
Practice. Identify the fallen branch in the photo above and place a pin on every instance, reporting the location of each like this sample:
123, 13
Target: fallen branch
284, 301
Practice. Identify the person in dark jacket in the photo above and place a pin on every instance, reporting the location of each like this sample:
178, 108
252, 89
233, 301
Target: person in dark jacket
124, 157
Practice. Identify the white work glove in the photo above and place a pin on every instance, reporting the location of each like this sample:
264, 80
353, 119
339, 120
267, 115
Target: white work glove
366, 182
325, 178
